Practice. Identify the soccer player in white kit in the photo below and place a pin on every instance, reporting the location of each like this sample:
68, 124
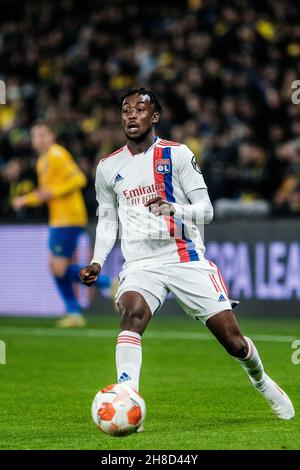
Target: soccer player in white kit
157, 191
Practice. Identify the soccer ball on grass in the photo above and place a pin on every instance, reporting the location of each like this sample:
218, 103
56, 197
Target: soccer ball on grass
118, 410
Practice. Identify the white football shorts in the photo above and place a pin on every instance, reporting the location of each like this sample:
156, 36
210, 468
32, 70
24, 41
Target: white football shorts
198, 287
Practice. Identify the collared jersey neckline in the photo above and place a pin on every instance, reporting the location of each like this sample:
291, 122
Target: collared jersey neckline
156, 140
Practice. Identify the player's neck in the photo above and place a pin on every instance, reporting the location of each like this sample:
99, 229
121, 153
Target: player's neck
44, 150
143, 145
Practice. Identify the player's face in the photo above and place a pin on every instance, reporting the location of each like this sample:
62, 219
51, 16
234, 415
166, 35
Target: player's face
138, 116
41, 138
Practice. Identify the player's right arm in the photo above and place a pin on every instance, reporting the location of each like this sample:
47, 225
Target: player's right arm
34, 198
41, 194
71, 178
106, 231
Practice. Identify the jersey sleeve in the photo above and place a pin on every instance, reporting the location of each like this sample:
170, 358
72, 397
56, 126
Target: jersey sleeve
105, 194
107, 226
189, 172
71, 176
32, 199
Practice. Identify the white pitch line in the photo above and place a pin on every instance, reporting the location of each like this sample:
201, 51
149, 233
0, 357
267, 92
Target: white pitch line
89, 333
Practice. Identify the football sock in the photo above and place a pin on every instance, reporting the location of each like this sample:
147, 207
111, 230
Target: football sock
72, 273
64, 286
252, 364
129, 358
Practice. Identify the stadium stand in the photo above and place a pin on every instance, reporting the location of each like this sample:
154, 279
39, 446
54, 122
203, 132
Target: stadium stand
224, 72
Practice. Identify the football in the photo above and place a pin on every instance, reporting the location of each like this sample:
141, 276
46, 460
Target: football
118, 410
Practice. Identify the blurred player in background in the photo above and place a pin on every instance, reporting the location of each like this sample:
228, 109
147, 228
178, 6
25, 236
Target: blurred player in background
156, 187
60, 184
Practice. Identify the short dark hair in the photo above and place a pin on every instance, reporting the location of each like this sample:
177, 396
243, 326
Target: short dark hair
143, 91
43, 123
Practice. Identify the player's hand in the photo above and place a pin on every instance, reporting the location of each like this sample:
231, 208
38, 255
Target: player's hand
88, 275
18, 203
158, 206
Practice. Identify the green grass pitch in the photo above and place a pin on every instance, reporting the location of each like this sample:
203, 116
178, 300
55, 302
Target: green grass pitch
197, 397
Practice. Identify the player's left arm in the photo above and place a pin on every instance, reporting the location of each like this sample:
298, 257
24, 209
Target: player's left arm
200, 209
107, 227
71, 177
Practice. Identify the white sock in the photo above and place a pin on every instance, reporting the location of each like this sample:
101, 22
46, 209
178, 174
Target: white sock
252, 364
129, 358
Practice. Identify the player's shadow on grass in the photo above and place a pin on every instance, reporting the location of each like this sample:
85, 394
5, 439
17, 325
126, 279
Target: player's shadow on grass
244, 420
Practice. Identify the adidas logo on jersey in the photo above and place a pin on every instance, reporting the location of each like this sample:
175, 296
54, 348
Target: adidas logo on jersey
124, 377
118, 178
221, 298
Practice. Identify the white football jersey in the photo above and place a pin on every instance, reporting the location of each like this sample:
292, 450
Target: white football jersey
127, 181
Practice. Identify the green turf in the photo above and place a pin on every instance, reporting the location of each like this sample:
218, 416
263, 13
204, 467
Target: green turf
197, 396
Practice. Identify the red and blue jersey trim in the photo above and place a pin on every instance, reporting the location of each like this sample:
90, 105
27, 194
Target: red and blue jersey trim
185, 246
169, 143
112, 154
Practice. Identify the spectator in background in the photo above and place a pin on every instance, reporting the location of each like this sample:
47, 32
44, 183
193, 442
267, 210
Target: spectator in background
193, 138
248, 180
287, 197
17, 178
224, 71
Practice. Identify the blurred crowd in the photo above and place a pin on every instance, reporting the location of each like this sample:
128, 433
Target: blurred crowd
223, 71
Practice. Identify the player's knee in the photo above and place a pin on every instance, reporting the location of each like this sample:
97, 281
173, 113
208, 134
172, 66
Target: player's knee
236, 346
133, 319
57, 269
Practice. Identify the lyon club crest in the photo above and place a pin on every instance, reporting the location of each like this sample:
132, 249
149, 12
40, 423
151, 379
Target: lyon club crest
163, 166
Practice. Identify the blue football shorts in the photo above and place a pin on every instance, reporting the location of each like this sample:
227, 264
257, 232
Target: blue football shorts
62, 241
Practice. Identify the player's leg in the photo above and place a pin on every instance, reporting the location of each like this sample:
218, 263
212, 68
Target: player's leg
58, 266
200, 289
135, 315
136, 309
226, 329
62, 244
73, 316
141, 293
